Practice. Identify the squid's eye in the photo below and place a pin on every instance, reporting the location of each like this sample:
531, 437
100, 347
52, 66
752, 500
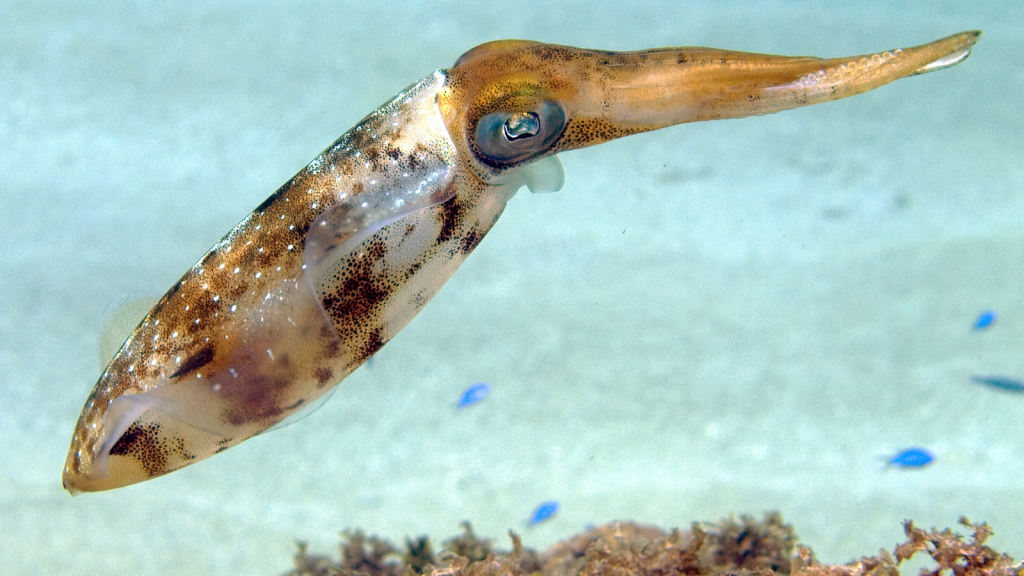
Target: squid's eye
521, 125
504, 138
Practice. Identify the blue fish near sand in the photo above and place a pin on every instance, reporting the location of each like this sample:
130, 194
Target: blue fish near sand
474, 394
543, 512
912, 458
1000, 382
984, 320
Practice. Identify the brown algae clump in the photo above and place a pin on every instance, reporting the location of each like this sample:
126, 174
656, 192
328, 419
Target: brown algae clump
744, 547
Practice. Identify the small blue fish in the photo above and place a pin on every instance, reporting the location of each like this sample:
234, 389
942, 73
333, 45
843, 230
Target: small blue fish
474, 394
543, 512
985, 319
1001, 382
912, 458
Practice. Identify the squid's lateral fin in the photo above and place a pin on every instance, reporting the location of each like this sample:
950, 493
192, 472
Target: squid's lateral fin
122, 316
544, 175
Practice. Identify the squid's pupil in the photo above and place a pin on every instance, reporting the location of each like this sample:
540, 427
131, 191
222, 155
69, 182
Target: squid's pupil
521, 124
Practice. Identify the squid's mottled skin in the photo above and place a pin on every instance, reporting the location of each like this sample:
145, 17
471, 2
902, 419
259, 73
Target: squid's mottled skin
336, 262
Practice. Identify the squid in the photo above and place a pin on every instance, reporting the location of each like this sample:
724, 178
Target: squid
333, 264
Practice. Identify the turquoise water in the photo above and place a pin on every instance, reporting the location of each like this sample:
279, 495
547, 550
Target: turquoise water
727, 317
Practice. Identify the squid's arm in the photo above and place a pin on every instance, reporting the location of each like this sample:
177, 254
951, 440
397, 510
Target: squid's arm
577, 97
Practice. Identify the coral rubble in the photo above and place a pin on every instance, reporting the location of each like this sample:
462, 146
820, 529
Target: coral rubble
747, 547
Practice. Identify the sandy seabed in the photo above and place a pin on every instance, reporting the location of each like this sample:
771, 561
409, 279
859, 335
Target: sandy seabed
727, 317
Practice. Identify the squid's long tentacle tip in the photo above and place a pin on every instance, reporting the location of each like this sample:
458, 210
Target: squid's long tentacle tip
962, 44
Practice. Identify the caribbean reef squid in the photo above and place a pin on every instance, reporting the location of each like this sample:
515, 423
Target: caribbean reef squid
331, 266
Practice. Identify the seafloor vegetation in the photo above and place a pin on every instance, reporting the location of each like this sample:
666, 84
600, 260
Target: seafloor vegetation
744, 547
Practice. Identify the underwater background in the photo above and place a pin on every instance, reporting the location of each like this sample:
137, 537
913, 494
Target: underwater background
715, 318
